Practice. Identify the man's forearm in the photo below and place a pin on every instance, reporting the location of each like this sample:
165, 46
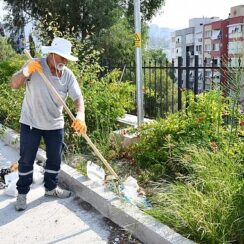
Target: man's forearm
17, 80
80, 108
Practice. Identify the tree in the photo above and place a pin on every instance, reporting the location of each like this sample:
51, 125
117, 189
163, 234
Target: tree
157, 55
97, 18
117, 42
148, 8
84, 16
6, 50
32, 46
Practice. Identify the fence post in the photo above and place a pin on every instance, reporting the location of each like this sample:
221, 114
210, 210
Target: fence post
180, 83
187, 78
150, 87
196, 75
212, 76
204, 75
161, 89
167, 87
187, 71
155, 89
173, 82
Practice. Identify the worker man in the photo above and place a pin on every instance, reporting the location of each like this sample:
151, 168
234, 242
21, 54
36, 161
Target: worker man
42, 116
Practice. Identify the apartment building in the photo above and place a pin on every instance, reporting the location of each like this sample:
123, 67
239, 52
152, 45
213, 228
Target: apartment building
236, 43
189, 42
224, 42
236, 36
216, 42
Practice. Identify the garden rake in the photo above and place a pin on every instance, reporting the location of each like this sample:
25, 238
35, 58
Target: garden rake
88, 140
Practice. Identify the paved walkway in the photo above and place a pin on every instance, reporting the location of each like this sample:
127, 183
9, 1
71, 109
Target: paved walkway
48, 220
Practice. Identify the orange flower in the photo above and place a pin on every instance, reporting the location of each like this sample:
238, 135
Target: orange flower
214, 146
200, 119
242, 123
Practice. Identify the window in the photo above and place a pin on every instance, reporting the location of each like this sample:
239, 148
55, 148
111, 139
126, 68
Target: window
215, 47
235, 29
178, 39
215, 62
208, 33
208, 62
236, 47
207, 47
216, 34
199, 48
178, 52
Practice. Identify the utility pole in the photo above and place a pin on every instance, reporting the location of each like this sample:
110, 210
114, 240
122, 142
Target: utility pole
138, 57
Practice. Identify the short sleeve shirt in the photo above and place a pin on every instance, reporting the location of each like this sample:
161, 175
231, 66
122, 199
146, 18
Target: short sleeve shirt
40, 108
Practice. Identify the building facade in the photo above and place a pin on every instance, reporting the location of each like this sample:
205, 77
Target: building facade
216, 42
236, 36
187, 43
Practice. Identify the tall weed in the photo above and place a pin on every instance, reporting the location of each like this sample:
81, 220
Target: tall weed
208, 206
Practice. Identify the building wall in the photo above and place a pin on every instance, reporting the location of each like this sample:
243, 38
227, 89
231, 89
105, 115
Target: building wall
219, 40
207, 33
213, 40
236, 39
237, 11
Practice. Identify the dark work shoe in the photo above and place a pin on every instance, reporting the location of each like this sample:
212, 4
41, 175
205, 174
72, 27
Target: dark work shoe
20, 204
58, 192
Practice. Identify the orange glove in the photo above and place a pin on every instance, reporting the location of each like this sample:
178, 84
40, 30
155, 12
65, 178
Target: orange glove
31, 67
79, 126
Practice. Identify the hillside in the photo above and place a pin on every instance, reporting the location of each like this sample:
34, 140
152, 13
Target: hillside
160, 37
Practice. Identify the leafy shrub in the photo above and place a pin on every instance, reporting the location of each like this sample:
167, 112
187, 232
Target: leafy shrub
162, 141
10, 66
105, 101
10, 100
6, 50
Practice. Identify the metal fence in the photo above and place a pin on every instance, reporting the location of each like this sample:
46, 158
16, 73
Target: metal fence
165, 82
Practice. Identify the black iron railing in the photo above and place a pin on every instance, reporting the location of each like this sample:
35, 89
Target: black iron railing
165, 82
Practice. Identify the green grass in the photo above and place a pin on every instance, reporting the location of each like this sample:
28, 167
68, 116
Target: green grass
208, 206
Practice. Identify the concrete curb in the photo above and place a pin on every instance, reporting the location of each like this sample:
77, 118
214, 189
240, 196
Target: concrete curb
127, 216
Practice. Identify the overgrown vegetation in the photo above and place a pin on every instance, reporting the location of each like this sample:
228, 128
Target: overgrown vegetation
192, 165
206, 205
6, 50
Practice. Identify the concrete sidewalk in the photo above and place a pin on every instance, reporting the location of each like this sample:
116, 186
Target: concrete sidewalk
47, 220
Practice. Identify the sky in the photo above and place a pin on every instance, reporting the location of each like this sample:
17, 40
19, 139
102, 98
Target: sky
1, 10
175, 14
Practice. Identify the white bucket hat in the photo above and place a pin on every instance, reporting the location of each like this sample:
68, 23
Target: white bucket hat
61, 47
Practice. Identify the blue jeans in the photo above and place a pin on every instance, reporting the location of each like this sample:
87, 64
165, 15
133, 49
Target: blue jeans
29, 142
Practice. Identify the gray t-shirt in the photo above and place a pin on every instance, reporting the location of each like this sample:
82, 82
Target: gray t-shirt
40, 108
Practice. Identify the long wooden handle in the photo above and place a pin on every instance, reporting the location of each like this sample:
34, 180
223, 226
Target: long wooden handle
88, 140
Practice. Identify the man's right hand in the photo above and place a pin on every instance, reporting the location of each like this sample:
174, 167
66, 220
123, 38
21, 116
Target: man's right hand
79, 126
31, 67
